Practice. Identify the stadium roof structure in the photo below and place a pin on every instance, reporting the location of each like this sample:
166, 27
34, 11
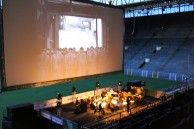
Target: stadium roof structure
125, 4
121, 2
118, 3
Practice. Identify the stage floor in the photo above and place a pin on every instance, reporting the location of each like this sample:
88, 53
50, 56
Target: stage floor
68, 112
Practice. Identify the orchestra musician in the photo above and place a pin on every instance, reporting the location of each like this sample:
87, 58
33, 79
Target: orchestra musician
77, 106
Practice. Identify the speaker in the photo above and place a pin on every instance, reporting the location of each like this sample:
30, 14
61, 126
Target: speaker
137, 83
129, 84
19, 110
83, 106
6, 124
22, 116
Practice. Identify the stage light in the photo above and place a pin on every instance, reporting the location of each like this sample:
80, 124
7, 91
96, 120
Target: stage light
73, 89
97, 85
120, 83
119, 86
59, 96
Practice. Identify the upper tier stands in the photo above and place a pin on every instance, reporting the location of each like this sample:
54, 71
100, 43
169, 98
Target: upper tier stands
173, 33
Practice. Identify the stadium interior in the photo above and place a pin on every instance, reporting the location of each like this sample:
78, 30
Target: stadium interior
97, 64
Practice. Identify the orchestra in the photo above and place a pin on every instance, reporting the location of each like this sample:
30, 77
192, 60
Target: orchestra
112, 100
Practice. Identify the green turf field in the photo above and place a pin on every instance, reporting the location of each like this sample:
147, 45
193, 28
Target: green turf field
40, 94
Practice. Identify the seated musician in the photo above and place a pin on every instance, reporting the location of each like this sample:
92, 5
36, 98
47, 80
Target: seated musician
101, 110
111, 106
77, 106
77, 103
111, 90
133, 90
120, 95
104, 92
92, 104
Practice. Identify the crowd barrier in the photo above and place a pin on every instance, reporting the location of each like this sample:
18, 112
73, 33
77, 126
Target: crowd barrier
156, 74
70, 98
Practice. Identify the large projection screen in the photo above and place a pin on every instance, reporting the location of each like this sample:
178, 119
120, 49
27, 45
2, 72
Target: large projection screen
48, 40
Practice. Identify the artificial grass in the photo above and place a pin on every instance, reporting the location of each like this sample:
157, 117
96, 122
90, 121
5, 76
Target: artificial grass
40, 94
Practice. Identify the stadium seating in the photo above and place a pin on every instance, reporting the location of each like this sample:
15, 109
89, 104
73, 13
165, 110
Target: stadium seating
175, 38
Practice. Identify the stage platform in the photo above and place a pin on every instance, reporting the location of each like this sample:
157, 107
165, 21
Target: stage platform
90, 118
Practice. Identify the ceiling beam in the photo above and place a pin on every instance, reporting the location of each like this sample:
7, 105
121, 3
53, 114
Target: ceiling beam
98, 3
